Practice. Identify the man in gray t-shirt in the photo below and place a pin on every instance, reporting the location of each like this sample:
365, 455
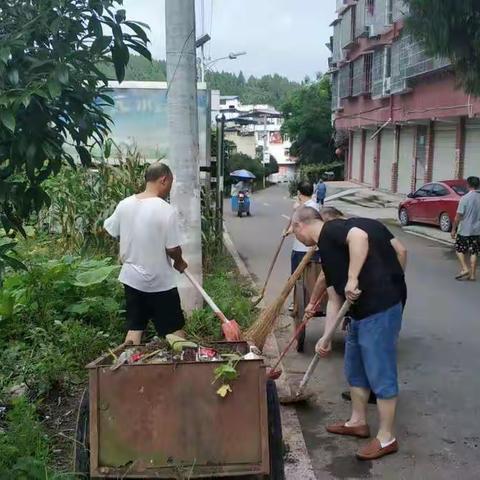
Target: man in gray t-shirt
466, 230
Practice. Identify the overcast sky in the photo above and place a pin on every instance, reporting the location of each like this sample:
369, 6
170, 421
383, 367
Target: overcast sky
281, 36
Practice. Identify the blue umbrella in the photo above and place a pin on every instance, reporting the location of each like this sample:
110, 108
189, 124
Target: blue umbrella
243, 174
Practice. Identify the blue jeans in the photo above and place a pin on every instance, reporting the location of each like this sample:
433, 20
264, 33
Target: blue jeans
371, 352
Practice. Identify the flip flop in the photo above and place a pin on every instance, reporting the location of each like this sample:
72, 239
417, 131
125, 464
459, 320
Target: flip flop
462, 276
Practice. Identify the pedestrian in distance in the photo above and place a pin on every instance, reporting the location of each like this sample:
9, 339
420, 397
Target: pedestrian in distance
321, 192
466, 230
364, 263
147, 227
304, 198
299, 250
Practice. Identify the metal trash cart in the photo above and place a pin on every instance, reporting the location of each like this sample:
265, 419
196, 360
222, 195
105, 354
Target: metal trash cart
167, 421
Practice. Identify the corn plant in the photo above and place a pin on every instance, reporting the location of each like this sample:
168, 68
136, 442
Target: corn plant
82, 198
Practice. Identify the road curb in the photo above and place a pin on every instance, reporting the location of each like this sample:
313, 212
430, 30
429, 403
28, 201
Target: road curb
301, 467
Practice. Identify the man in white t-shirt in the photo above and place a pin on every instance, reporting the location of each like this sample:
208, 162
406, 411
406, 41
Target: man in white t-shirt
147, 227
304, 197
305, 193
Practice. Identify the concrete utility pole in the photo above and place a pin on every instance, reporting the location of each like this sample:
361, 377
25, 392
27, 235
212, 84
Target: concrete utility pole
266, 156
220, 173
183, 155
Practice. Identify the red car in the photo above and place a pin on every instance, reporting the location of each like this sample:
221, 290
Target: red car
435, 203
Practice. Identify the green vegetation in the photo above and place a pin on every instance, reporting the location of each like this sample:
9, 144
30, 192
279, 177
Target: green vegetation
82, 198
140, 69
313, 172
269, 89
238, 161
24, 446
308, 122
450, 29
230, 292
65, 306
50, 89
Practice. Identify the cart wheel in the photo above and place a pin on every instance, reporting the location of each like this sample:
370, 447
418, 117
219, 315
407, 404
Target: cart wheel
81, 452
275, 438
299, 312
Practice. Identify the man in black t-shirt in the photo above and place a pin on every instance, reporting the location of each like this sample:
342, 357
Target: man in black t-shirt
364, 263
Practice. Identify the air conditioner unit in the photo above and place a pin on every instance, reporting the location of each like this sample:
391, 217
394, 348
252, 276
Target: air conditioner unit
372, 31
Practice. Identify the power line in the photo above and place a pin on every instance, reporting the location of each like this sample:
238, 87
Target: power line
212, 3
179, 60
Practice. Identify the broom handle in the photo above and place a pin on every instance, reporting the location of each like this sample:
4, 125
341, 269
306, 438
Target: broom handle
305, 320
206, 297
328, 336
274, 261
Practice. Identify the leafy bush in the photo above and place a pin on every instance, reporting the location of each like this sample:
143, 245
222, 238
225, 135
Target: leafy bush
55, 318
230, 292
52, 93
212, 242
24, 447
313, 172
82, 198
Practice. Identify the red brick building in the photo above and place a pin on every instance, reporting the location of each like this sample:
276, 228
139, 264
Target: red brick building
407, 120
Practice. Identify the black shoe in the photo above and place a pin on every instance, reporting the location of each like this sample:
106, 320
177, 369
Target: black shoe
372, 399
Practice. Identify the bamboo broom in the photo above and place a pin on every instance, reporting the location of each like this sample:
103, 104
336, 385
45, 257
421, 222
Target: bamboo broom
260, 330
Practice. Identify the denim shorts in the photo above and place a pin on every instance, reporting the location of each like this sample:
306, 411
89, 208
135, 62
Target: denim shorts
371, 352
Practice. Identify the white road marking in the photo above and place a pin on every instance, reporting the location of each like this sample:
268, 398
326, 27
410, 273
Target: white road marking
422, 235
266, 204
286, 217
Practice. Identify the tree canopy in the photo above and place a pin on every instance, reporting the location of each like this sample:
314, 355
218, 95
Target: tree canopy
51, 91
451, 29
308, 122
269, 89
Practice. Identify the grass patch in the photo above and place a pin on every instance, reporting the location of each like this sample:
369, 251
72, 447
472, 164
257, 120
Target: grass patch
231, 292
55, 317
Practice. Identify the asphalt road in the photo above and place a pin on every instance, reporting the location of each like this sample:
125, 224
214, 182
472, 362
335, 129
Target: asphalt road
439, 364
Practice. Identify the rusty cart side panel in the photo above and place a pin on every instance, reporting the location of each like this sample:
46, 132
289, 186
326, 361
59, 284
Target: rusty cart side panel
93, 395
152, 421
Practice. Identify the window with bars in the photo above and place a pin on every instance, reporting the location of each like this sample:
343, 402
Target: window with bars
371, 7
378, 16
347, 27
360, 19
337, 41
345, 81
410, 59
377, 73
362, 75
357, 76
399, 10
335, 92
419, 61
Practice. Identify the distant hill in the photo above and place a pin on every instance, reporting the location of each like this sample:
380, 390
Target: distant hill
269, 89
